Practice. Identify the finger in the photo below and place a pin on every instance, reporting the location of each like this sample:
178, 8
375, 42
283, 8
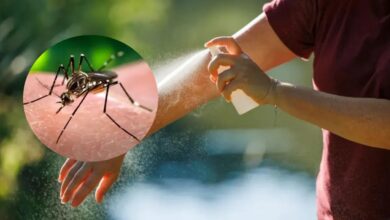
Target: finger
78, 178
65, 168
225, 78
85, 188
213, 79
69, 176
104, 186
226, 41
222, 59
229, 89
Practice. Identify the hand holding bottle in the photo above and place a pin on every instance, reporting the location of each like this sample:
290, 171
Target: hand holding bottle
243, 73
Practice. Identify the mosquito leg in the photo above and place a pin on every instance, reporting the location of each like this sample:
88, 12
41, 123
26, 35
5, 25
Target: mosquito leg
26, 103
112, 57
60, 68
71, 116
82, 57
71, 65
47, 87
133, 101
113, 120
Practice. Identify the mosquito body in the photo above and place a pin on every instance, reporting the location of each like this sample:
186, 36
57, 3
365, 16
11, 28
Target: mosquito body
80, 84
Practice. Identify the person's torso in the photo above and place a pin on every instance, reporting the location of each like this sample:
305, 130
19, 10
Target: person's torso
352, 58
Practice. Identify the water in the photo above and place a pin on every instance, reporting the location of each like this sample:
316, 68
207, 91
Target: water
264, 193
214, 178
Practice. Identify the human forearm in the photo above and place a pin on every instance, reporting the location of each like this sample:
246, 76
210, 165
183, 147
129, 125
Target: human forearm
189, 86
180, 92
362, 120
183, 90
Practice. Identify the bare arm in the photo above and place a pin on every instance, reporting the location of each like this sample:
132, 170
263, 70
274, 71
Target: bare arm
179, 93
363, 120
190, 87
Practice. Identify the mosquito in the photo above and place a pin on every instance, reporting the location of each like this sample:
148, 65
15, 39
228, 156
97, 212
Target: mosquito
80, 84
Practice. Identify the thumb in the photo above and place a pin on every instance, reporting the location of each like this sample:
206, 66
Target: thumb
104, 185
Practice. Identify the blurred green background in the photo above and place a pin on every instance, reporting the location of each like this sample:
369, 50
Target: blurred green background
97, 49
160, 30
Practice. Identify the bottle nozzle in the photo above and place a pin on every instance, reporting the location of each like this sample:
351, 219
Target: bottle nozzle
214, 51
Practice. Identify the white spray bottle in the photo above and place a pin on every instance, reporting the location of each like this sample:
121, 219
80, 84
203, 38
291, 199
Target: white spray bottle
240, 100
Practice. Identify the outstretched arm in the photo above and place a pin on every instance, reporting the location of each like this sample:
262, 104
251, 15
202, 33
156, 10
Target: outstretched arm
180, 92
189, 87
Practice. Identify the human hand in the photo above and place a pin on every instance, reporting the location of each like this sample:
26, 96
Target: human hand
79, 178
243, 73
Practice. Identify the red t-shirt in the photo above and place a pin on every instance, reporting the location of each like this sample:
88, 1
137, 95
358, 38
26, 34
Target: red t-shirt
350, 40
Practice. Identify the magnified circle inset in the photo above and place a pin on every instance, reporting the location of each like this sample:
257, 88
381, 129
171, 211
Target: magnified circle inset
90, 98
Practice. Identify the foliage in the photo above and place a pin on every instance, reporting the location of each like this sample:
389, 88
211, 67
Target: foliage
97, 49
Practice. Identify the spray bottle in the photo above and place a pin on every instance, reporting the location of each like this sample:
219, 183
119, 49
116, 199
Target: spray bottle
240, 100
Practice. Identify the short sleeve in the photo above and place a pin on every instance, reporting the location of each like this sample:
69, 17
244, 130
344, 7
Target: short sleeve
294, 23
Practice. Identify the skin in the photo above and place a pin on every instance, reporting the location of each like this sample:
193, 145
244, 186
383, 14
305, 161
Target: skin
338, 114
245, 57
96, 142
